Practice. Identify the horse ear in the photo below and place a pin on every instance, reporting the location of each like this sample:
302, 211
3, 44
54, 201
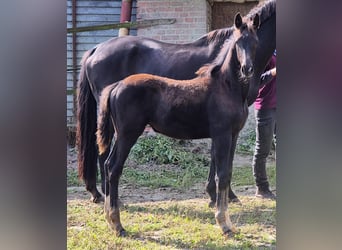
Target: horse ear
238, 20
256, 21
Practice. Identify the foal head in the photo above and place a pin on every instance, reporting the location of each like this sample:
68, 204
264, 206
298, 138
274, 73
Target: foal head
245, 44
238, 52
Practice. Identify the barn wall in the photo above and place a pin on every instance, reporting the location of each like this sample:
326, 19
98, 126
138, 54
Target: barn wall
191, 19
90, 13
223, 13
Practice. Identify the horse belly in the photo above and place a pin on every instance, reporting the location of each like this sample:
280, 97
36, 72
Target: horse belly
182, 123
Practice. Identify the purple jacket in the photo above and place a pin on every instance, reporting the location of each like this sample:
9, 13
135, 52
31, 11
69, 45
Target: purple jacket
267, 98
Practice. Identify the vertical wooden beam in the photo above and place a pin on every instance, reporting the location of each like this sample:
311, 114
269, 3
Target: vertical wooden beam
126, 11
74, 54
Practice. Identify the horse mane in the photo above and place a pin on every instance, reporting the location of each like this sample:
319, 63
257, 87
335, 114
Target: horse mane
265, 10
215, 65
219, 34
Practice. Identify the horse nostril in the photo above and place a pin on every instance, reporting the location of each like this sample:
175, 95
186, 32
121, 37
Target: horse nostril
247, 70
250, 70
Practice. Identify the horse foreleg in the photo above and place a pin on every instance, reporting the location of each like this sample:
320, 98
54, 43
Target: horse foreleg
223, 146
222, 216
211, 185
231, 195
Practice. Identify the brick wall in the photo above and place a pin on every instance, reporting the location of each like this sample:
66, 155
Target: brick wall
224, 12
191, 19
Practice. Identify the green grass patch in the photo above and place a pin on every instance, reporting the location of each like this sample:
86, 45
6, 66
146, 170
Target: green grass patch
243, 176
72, 178
246, 143
172, 225
160, 149
179, 166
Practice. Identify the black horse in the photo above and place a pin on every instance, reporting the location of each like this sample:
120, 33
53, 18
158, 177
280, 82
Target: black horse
118, 58
212, 105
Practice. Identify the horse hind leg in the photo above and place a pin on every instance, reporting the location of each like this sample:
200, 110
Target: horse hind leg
96, 196
232, 196
104, 182
92, 188
102, 159
114, 165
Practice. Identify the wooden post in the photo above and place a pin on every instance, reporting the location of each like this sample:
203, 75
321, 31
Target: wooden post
74, 54
126, 10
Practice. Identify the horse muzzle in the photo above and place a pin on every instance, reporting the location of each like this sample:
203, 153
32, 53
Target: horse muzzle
247, 71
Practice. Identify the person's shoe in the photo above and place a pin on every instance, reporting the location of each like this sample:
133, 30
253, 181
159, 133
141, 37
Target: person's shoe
265, 194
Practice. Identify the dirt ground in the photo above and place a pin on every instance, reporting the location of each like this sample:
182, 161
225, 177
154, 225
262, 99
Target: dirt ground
129, 194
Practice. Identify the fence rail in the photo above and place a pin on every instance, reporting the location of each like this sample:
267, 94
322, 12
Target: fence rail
129, 25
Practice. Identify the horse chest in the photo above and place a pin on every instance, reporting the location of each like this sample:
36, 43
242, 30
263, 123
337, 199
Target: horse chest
227, 113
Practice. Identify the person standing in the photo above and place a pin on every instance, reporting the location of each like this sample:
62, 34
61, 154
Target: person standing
265, 117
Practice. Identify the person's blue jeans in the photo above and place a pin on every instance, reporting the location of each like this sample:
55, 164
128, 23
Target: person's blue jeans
265, 130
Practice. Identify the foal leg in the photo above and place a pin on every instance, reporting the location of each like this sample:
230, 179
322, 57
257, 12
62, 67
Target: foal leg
114, 168
104, 183
231, 195
211, 185
223, 146
102, 158
115, 165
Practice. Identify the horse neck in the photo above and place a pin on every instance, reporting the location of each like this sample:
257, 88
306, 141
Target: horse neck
230, 75
267, 44
214, 41
265, 49
230, 67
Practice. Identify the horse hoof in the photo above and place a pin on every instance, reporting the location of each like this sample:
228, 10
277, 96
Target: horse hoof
212, 204
121, 233
234, 200
97, 199
229, 233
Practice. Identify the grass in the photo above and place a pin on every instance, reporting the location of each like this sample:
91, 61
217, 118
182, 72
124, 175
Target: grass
186, 224
179, 224
177, 178
246, 142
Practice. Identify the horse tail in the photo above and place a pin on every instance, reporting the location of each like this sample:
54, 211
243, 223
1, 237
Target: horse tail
104, 134
86, 125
